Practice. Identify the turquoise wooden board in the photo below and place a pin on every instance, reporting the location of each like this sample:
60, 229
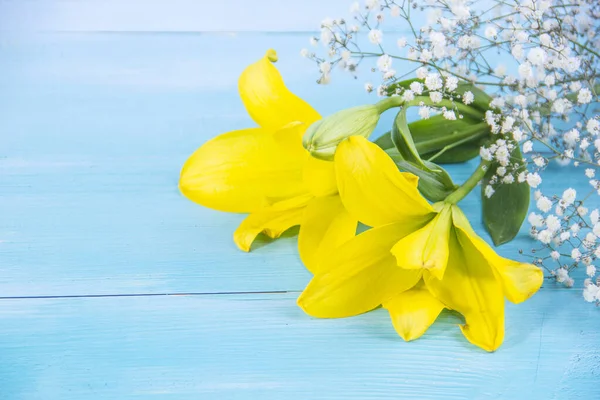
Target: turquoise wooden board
93, 131
263, 347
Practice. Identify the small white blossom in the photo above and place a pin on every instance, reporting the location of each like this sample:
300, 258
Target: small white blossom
375, 36
489, 191
584, 96
533, 179
395, 11
468, 97
569, 196
435, 97
384, 63
544, 204
527, 146
490, 32
535, 220
416, 87
433, 81
590, 270
401, 42
555, 255
449, 115
424, 112
552, 223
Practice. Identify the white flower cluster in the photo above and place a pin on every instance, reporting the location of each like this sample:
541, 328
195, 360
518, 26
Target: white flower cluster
538, 58
570, 234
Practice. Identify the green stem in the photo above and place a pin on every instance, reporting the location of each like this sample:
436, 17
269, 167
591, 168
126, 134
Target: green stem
477, 131
469, 184
463, 109
389, 102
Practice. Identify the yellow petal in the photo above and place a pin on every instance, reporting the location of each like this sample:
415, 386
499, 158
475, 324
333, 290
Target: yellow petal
428, 247
325, 226
246, 170
359, 275
519, 280
371, 186
268, 101
271, 223
319, 176
413, 311
470, 287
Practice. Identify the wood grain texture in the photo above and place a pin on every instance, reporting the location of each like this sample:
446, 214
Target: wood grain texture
93, 131
264, 347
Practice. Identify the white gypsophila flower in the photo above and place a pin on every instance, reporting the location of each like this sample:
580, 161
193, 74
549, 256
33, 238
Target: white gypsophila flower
555, 255
501, 171
371, 4
433, 81
368, 87
375, 36
489, 191
584, 96
553, 223
591, 292
395, 11
346, 54
533, 179
384, 63
468, 97
527, 146
564, 236
451, 83
561, 106
435, 97
562, 275
590, 270
594, 216
544, 204
535, 220
596, 229
416, 87
521, 101
569, 196
408, 95
304, 53
490, 32
421, 73
485, 154
508, 179
576, 254
593, 126
325, 67
537, 56
545, 236
449, 115
355, 7
424, 112
402, 42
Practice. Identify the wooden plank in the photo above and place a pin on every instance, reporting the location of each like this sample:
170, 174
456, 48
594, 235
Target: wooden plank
169, 15
264, 347
94, 131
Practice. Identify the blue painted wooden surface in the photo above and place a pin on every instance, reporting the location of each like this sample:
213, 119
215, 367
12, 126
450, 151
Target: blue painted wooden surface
93, 131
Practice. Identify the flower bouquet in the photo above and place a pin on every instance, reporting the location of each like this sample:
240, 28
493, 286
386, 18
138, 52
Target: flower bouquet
513, 84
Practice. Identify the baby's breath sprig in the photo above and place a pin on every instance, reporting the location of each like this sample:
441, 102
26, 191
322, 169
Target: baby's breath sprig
539, 59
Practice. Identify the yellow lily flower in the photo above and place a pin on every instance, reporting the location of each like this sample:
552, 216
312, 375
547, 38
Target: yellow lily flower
416, 260
265, 171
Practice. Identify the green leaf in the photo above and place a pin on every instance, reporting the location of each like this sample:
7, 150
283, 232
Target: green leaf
505, 211
385, 141
434, 182
458, 154
403, 139
481, 99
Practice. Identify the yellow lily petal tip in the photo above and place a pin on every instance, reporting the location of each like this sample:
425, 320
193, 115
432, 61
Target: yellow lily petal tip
271, 55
